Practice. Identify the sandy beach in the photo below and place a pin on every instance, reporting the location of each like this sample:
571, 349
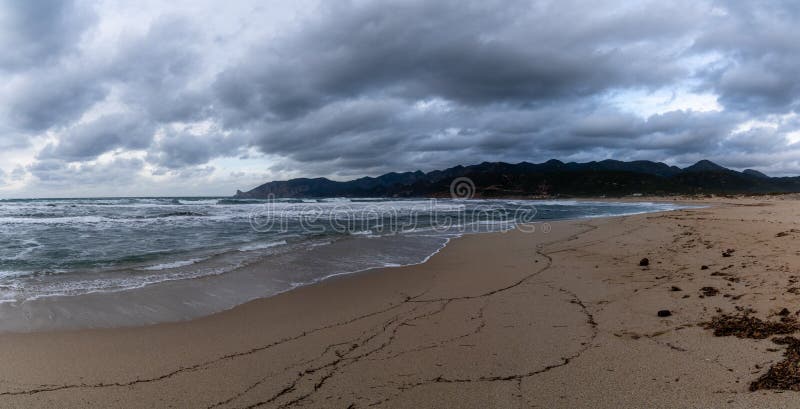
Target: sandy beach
567, 318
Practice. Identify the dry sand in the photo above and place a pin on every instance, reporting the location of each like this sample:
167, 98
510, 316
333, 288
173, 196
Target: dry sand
562, 319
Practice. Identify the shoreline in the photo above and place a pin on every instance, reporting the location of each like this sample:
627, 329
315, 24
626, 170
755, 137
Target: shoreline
185, 299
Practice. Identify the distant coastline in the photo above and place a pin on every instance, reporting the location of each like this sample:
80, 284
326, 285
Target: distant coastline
608, 178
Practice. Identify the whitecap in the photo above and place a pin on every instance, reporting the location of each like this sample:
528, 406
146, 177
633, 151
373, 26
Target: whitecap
262, 246
174, 264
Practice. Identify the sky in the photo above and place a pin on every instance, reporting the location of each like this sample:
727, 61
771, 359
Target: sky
200, 97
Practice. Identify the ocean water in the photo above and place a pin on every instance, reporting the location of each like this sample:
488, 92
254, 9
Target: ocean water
208, 254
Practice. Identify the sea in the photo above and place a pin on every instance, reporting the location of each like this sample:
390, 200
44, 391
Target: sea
98, 262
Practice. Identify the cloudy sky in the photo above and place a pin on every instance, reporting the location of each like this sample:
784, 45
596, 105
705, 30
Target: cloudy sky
193, 97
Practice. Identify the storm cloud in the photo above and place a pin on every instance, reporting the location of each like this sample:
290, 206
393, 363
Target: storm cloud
197, 94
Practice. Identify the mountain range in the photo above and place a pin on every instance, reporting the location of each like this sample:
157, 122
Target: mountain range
551, 178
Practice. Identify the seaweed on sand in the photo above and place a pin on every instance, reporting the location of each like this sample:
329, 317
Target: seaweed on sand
747, 326
784, 375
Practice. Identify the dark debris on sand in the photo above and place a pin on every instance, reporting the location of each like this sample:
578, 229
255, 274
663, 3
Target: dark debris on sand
784, 375
786, 233
748, 326
709, 291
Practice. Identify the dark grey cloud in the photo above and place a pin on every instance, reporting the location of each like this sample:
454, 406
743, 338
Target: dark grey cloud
37, 32
474, 53
89, 140
350, 88
155, 71
46, 82
56, 173
541, 70
755, 141
52, 97
345, 87
177, 150
760, 40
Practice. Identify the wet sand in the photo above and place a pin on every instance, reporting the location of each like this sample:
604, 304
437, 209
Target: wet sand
566, 319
